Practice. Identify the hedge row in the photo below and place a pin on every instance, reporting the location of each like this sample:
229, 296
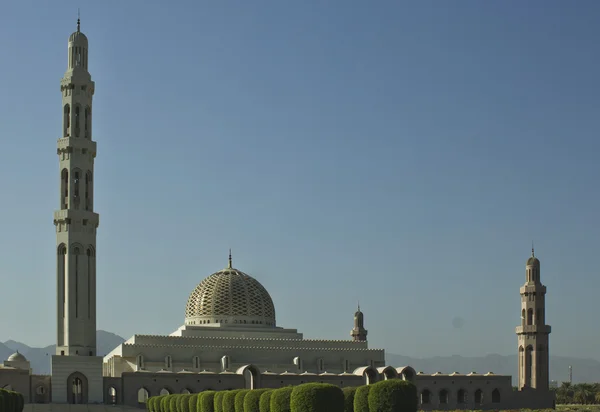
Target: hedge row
11, 401
392, 395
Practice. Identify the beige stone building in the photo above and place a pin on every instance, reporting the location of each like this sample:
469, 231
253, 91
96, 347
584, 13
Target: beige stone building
230, 337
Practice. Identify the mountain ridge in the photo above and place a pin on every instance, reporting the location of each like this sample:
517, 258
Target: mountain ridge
584, 370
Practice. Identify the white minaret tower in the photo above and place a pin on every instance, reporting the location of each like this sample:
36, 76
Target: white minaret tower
533, 333
76, 370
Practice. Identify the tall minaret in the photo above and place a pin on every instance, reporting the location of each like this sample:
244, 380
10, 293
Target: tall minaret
359, 333
533, 333
75, 364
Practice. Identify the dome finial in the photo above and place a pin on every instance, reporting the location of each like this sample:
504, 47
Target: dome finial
230, 265
532, 250
359, 305
78, 19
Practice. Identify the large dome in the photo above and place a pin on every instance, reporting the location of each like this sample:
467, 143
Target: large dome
230, 297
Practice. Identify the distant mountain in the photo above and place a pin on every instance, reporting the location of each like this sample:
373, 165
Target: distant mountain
40, 358
584, 370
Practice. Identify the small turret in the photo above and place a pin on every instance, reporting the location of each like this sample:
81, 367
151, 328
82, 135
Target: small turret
359, 333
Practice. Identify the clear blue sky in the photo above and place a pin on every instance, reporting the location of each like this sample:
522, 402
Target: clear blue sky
400, 153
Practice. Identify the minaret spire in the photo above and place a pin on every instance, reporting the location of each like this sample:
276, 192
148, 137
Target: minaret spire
532, 250
230, 264
78, 20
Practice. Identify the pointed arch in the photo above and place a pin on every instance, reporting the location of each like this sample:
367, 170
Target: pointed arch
143, 395
87, 121
478, 398
496, 396
461, 396
529, 316
387, 372
407, 373
89, 191
251, 375
77, 388
77, 119
443, 396
66, 119
425, 397
64, 189
368, 373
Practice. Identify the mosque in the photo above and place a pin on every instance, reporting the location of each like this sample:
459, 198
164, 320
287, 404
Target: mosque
230, 337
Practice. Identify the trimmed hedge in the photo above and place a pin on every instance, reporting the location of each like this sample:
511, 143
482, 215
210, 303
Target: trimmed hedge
173, 403
280, 399
239, 400
349, 398
252, 400
317, 397
393, 395
11, 401
193, 403
229, 400
206, 401
265, 401
182, 403
361, 398
164, 403
219, 401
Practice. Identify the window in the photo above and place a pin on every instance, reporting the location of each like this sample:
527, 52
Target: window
496, 396
425, 397
443, 396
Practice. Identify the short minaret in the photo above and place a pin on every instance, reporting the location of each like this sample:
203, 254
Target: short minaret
533, 333
76, 225
359, 333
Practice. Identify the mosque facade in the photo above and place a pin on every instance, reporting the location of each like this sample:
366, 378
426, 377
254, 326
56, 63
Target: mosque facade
230, 337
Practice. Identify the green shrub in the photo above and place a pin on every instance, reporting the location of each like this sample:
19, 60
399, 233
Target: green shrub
164, 403
206, 401
280, 399
349, 398
4, 401
12, 404
173, 403
361, 398
252, 400
158, 405
150, 404
229, 400
184, 402
317, 397
239, 400
179, 402
20, 402
393, 395
192, 403
219, 401
265, 401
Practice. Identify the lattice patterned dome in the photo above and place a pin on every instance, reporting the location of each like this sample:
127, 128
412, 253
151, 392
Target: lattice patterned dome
230, 297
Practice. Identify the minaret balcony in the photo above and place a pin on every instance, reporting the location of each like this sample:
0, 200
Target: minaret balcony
72, 215
537, 288
542, 329
76, 143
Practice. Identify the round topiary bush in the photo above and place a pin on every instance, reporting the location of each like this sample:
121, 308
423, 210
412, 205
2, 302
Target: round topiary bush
182, 403
20, 402
173, 403
229, 400
317, 397
265, 401
349, 398
219, 401
4, 402
361, 398
239, 400
393, 395
164, 403
280, 399
193, 402
206, 401
252, 400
